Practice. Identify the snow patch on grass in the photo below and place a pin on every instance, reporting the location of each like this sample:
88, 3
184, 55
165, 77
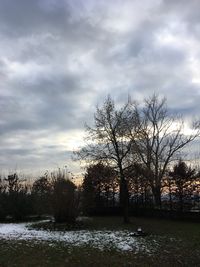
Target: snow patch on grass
119, 240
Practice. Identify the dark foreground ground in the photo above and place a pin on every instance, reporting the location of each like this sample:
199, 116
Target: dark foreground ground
179, 245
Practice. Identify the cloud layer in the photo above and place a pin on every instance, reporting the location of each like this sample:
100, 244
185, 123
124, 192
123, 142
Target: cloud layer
60, 58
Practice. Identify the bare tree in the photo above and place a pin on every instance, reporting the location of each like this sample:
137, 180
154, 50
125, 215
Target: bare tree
160, 137
111, 142
148, 136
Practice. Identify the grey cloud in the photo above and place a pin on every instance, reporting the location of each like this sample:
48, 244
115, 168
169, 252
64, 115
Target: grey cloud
25, 17
60, 58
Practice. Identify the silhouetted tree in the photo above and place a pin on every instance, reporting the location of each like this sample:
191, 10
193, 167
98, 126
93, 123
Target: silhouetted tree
148, 136
99, 187
19, 203
111, 142
64, 199
183, 177
169, 185
41, 192
3, 200
160, 138
139, 188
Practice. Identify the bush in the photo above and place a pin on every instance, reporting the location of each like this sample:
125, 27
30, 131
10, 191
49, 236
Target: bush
64, 201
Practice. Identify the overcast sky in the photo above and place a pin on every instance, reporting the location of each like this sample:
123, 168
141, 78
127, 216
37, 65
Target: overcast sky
59, 58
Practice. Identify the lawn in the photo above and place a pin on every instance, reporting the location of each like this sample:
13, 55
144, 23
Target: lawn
169, 243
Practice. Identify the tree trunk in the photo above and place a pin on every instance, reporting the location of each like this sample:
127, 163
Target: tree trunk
157, 196
181, 201
170, 197
113, 198
124, 199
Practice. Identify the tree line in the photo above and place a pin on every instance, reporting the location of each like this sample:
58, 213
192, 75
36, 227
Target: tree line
52, 194
180, 190
137, 139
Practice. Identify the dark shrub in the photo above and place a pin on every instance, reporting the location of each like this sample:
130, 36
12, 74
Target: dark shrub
64, 201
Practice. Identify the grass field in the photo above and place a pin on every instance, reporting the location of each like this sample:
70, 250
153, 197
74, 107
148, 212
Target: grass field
173, 244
